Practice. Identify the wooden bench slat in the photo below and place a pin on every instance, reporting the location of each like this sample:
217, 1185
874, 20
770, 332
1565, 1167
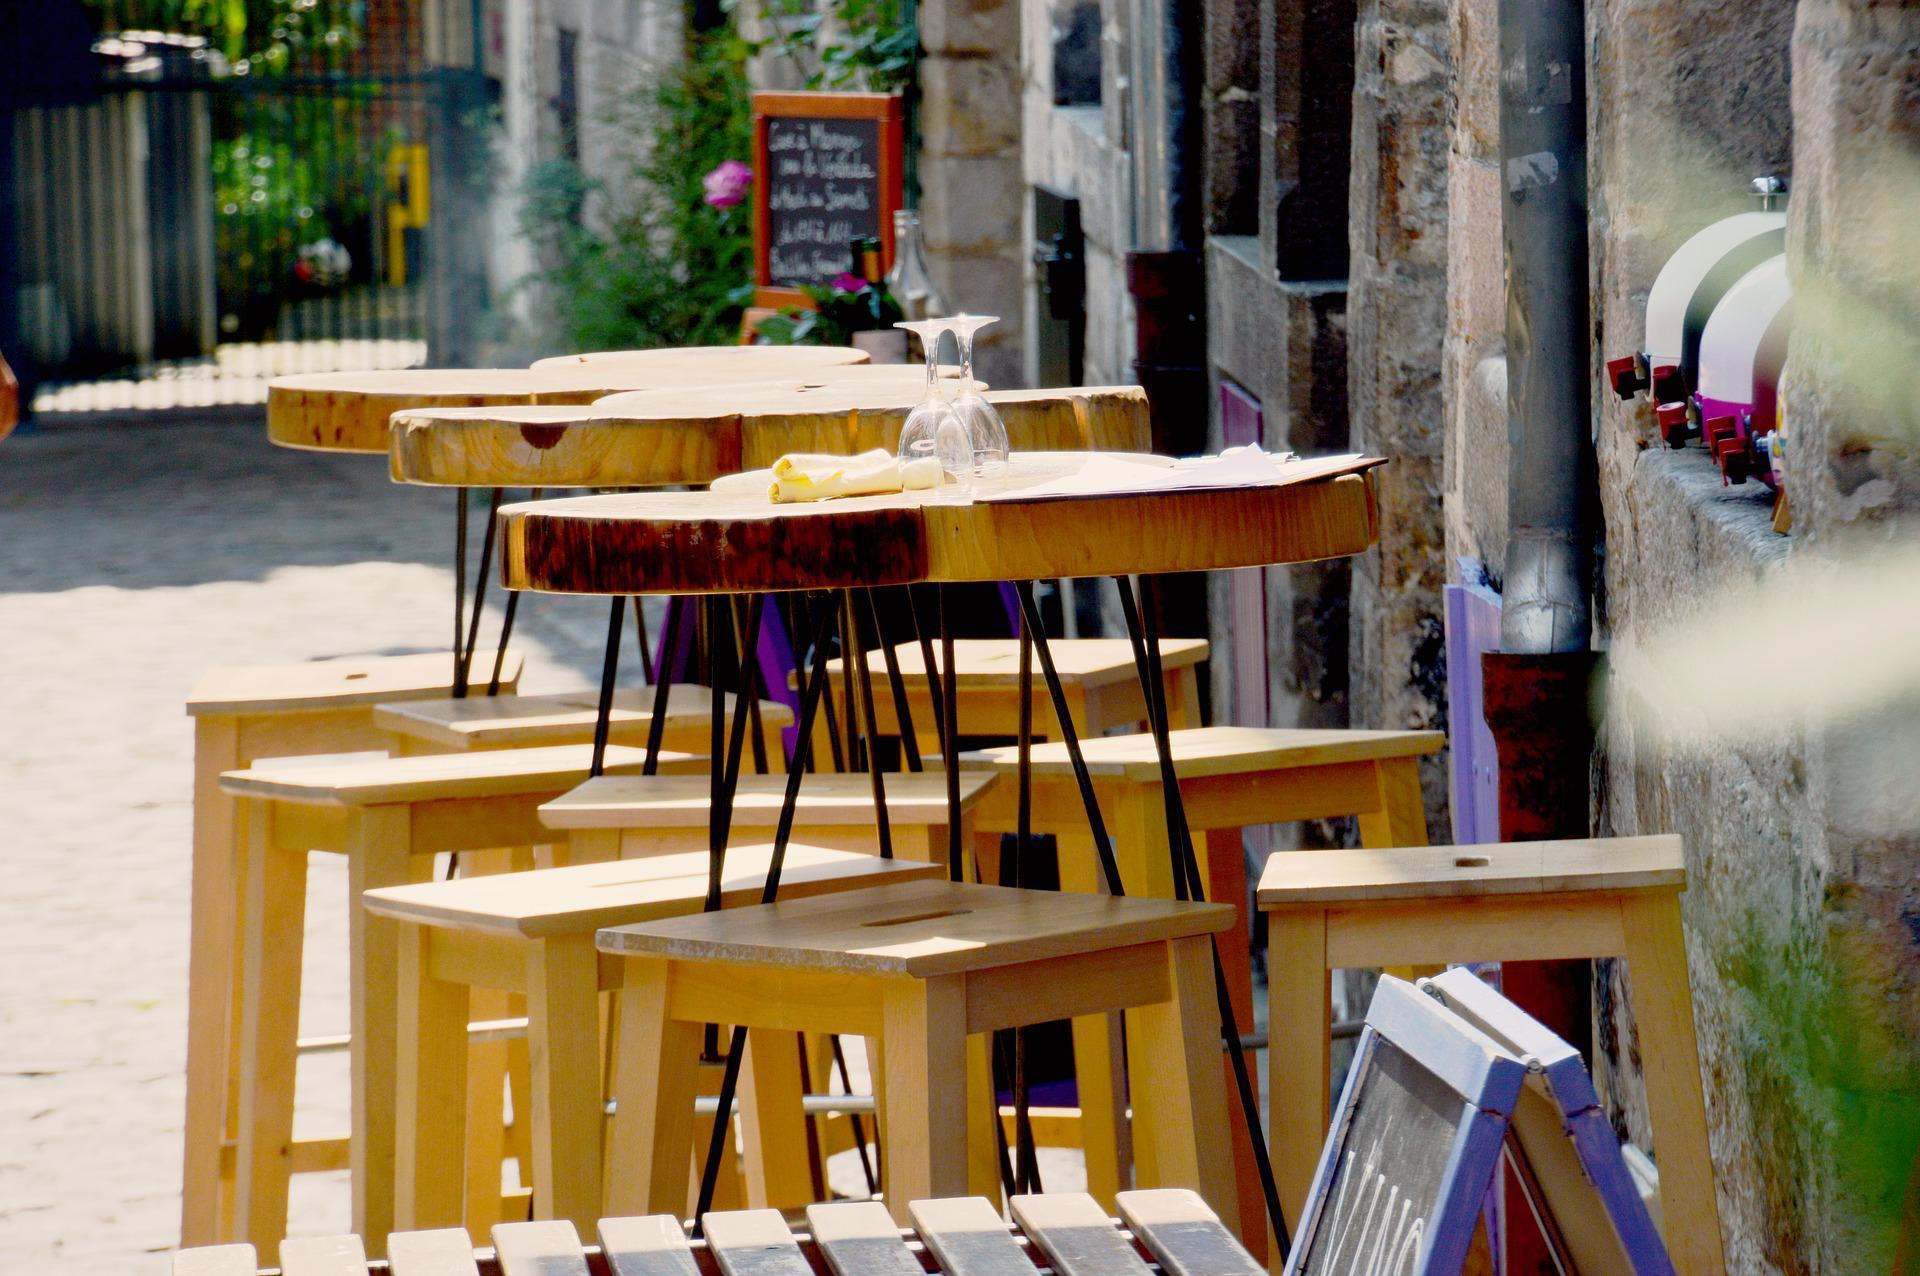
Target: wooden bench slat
969, 1238
1185, 1236
649, 1245
1076, 1235
216, 1260
859, 1238
323, 1256
547, 1248
754, 1243
444, 1251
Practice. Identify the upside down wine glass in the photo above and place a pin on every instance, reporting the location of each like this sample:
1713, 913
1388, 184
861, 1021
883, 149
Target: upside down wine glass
954, 422
985, 430
934, 429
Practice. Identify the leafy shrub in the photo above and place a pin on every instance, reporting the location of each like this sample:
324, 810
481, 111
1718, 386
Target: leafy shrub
650, 263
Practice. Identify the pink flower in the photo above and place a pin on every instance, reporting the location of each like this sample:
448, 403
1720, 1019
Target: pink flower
846, 282
728, 183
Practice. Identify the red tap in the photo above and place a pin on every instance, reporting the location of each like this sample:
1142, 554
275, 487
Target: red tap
1667, 384
1673, 423
1624, 375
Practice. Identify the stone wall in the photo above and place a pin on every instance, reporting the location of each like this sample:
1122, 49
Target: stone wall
1802, 862
1396, 322
1277, 306
972, 204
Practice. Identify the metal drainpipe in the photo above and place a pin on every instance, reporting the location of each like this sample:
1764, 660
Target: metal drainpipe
1537, 688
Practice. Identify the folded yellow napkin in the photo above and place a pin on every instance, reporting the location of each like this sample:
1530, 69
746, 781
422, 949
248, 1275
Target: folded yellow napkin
813, 476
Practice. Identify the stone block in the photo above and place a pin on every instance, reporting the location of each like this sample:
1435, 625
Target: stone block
970, 106
990, 27
972, 205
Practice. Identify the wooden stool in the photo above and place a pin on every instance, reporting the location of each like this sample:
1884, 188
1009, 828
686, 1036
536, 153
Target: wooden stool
1230, 778
623, 816
917, 968
532, 933
389, 816
241, 714
567, 717
1098, 675
1523, 901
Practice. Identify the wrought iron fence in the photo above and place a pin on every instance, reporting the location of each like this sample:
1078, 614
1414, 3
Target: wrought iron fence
225, 173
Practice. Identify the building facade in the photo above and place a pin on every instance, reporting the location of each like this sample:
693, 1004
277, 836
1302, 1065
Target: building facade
1345, 159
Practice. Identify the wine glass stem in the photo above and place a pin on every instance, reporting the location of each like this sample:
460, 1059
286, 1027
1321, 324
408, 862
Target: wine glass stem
965, 339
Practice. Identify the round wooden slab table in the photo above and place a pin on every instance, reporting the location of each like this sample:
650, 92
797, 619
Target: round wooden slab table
707, 542
1060, 514
693, 435
348, 411
724, 361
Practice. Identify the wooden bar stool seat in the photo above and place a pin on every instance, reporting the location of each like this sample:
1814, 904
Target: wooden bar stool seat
446, 725
1098, 675
241, 714
389, 817
1525, 901
921, 969
533, 933
622, 816
1230, 778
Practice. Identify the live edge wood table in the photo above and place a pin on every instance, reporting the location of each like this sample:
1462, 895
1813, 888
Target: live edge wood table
1057, 515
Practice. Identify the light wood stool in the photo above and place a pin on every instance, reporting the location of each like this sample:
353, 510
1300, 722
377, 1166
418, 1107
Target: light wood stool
241, 714
623, 816
1518, 901
389, 816
1230, 778
923, 970
533, 933
1097, 674
568, 717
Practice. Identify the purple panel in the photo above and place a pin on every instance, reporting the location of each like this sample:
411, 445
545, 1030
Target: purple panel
775, 654
1241, 418
1242, 421
1473, 627
1009, 603
682, 655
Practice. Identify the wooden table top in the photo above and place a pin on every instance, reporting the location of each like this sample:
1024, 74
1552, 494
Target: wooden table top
727, 361
349, 411
691, 435
1059, 515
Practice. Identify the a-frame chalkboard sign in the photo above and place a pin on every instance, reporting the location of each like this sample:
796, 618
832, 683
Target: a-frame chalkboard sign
1562, 1145
1413, 1146
1446, 1074
826, 169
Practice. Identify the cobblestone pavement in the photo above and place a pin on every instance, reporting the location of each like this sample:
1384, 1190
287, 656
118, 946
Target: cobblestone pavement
132, 558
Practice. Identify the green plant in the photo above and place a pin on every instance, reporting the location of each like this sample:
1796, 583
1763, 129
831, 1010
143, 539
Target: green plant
650, 262
871, 44
839, 310
258, 37
268, 201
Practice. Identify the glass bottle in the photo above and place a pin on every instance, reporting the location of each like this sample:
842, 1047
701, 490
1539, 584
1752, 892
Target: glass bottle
910, 281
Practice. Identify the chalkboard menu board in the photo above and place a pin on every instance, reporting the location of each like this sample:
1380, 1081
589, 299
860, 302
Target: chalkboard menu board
826, 169
1413, 1146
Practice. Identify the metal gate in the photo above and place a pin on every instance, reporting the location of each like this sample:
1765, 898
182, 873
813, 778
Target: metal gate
248, 192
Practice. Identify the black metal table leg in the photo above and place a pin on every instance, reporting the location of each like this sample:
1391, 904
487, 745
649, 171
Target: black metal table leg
718, 825
1188, 883
853, 652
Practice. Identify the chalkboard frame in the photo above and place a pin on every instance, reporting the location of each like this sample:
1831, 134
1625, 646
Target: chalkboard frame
1482, 1076
1575, 1169
886, 108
